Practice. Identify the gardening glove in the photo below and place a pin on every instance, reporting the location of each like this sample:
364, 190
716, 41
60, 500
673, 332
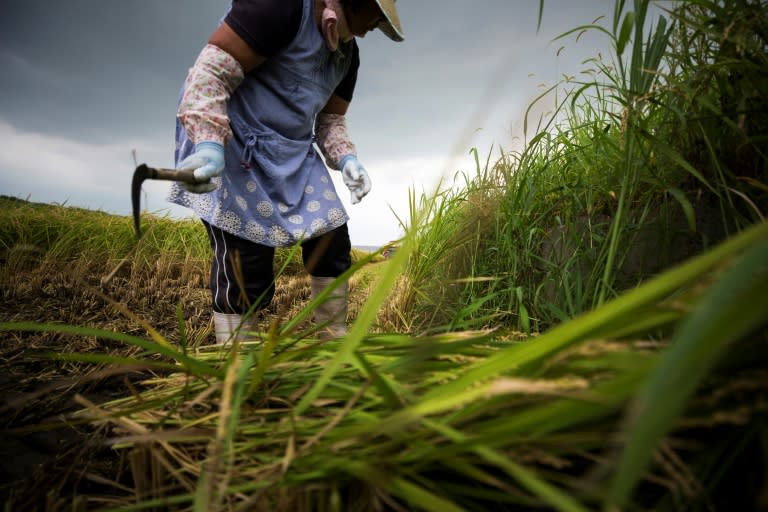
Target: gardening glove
207, 162
355, 177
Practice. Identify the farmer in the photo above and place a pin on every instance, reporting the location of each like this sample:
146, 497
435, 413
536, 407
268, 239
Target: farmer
275, 77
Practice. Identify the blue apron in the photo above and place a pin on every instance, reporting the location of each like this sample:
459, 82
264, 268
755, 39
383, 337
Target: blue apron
275, 189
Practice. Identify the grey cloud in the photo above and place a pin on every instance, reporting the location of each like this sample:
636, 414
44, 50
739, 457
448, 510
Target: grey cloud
99, 69
108, 72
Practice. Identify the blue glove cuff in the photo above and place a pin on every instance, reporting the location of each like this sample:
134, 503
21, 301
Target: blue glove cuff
209, 144
346, 159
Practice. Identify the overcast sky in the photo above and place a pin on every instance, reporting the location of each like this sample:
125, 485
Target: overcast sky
83, 83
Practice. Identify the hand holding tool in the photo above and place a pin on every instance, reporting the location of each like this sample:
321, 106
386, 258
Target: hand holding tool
194, 172
207, 162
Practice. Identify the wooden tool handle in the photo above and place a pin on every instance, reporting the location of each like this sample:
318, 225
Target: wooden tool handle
185, 176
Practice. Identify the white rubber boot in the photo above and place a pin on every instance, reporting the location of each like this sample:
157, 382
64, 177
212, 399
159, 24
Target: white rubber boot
331, 314
230, 327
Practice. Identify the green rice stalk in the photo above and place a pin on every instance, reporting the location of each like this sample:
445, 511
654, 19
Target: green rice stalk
186, 363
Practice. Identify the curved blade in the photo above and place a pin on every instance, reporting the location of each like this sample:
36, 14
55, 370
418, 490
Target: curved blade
139, 175
144, 172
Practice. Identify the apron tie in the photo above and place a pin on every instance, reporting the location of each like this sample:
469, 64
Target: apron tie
248, 150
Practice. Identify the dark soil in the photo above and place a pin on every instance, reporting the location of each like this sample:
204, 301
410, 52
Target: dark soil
46, 458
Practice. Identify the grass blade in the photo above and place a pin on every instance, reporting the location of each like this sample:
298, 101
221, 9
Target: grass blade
190, 364
626, 32
422, 498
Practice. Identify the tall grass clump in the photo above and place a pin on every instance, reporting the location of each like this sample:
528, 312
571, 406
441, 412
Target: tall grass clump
436, 254
651, 157
47, 235
715, 115
59, 234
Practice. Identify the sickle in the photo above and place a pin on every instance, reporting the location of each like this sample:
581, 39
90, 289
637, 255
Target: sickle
143, 172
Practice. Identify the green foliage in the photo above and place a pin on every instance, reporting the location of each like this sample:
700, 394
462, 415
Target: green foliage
53, 233
716, 115
655, 156
61, 231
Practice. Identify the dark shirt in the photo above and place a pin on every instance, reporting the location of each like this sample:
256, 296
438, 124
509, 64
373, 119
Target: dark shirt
268, 26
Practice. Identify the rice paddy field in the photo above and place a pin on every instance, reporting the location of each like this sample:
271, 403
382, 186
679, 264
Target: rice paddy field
581, 325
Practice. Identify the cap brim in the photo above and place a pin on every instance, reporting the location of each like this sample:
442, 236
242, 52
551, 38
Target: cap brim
391, 26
